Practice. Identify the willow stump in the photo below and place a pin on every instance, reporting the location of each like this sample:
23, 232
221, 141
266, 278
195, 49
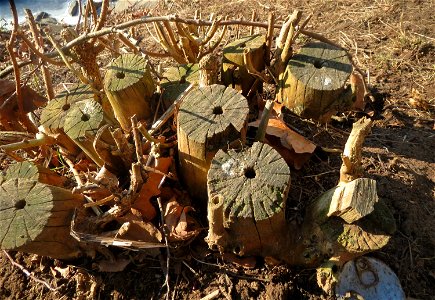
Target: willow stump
176, 80
234, 70
129, 86
210, 118
53, 115
247, 195
81, 125
31, 171
36, 218
313, 84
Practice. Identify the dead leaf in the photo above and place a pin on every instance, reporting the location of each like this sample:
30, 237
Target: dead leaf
117, 265
357, 81
245, 262
150, 189
64, 272
416, 100
293, 147
181, 226
289, 138
139, 231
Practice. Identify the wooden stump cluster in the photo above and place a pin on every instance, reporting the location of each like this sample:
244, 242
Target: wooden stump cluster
210, 118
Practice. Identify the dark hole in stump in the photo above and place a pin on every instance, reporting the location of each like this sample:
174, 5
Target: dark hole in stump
85, 117
318, 64
120, 75
249, 172
66, 106
218, 110
20, 204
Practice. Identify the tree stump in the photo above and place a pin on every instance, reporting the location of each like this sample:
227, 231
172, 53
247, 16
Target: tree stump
247, 196
313, 84
210, 118
176, 80
31, 171
36, 218
53, 115
234, 71
81, 125
129, 86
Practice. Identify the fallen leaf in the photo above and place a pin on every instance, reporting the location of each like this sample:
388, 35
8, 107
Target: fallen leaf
245, 262
416, 100
293, 147
64, 272
358, 82
139, 231
117, 265
151, 188
181, 226
289, 138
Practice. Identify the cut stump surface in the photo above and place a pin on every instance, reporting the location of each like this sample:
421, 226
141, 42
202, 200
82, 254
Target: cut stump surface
314, 80
36, 218
247, 194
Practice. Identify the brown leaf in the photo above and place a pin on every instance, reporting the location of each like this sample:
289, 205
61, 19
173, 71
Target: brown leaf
150, 189
289, 138
245, 262
357, 81
117, 265
416, 100
181, 226
138, 230
64, 272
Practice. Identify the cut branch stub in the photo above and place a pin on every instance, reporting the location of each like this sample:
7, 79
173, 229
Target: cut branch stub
210, 118
39, 173
325, 236
36, 218
129, 86
82, 123
247, 195
234, 71
313, 84
176, 80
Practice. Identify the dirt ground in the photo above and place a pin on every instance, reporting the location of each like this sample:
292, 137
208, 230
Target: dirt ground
394, 43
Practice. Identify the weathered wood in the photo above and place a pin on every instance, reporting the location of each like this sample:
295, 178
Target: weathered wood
129, 86
9, 137
352, 154
313, 85
210, 118
234, 71
176, 80
31, 171
36, 218
54, 114
81, 125
208, 70
247, 195
354, 200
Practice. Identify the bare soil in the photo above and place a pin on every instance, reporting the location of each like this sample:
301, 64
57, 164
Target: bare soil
394, 43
